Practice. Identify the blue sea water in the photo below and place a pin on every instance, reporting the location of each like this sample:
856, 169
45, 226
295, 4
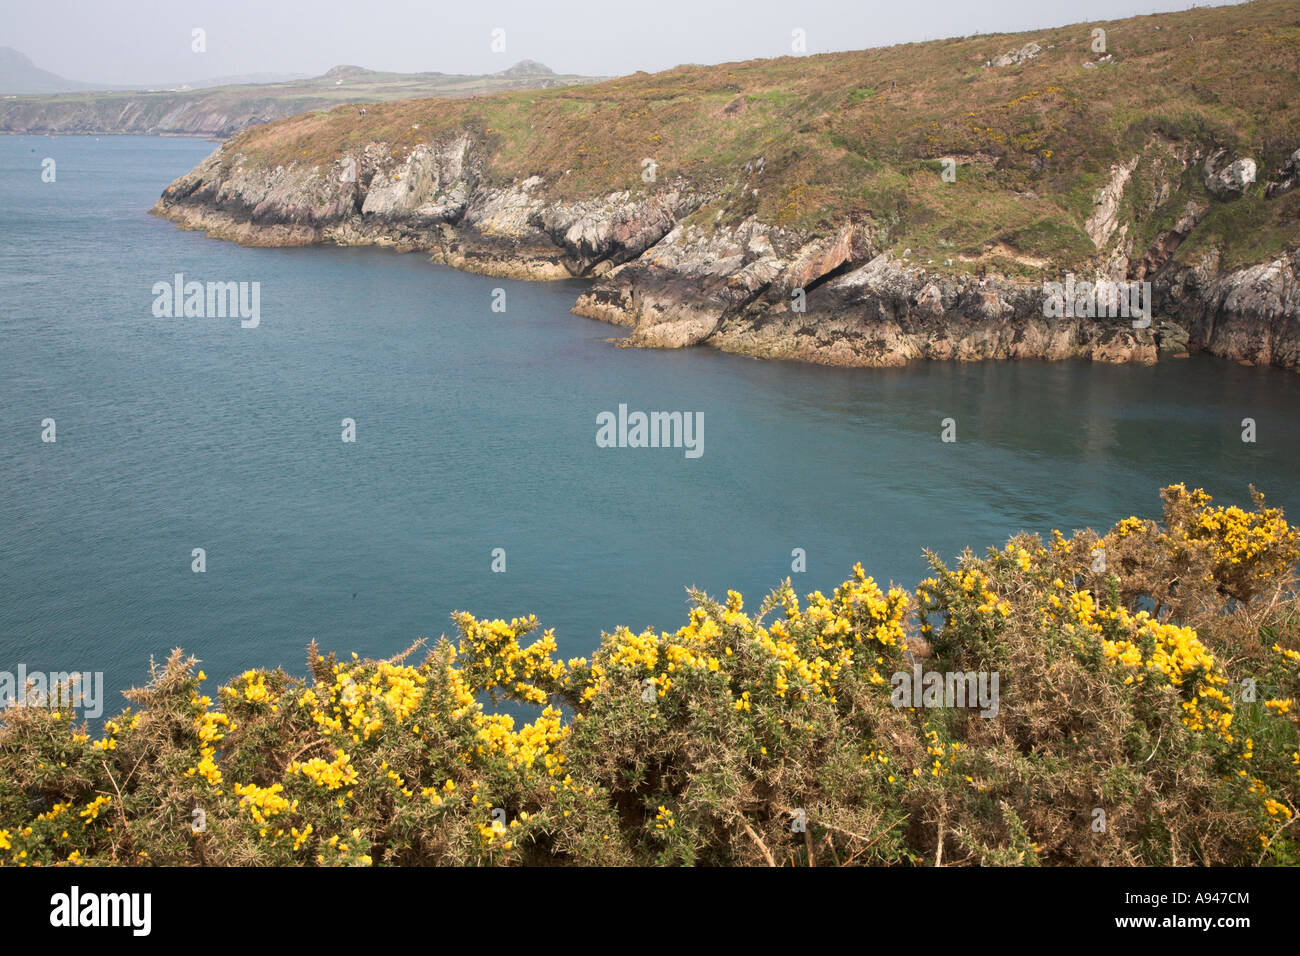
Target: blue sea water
476, 431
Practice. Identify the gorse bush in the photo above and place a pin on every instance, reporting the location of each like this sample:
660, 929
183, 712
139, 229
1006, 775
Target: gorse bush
1121, 736
1146, 685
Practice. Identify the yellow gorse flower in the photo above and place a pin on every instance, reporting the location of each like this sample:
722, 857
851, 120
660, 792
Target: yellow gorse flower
328, 774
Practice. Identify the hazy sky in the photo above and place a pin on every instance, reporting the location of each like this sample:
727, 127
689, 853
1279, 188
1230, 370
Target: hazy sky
149, 41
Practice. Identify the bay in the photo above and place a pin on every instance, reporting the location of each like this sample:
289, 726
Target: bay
476, 431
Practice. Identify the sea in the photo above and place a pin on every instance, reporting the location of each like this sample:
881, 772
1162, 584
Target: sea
199, 492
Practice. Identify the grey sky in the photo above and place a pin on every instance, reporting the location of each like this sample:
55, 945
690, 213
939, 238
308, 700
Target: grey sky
148, 41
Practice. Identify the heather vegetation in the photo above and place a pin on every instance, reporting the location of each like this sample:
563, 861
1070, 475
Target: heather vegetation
1148, 682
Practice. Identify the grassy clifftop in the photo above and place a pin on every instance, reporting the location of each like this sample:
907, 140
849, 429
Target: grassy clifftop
862, 135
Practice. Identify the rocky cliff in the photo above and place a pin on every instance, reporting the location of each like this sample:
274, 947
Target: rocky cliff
144, 114
691, 255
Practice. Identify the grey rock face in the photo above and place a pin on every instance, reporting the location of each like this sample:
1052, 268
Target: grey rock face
1026, 52
750, 287
1287, 178
1230, 180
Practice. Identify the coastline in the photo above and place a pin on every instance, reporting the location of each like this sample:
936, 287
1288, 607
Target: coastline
675, 284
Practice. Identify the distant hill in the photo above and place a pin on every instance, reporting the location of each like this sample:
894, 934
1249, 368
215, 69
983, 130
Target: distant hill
244, 79
528, 68
18, 74
217, 110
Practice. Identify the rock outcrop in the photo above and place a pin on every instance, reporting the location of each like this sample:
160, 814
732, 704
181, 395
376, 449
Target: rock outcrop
1026, 52
1287, 177
1230, 179
678, 279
